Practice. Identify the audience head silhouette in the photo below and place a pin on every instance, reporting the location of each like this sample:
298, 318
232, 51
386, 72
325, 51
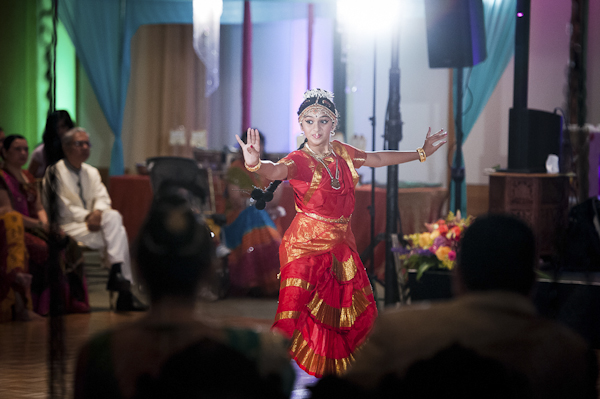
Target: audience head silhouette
497, 252
174, 250
57, 124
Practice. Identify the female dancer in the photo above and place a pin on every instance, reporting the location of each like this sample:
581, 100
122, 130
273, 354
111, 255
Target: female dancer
326, 303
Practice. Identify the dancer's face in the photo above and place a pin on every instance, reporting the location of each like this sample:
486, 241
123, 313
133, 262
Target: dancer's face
317, 127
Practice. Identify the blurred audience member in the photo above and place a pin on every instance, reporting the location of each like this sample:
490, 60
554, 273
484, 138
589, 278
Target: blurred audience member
491, 315
2, 136
454, 372
85, 213
250, 233
18, 192
171, 352
50, 150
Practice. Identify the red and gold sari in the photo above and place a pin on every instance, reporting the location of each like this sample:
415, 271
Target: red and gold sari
326, 303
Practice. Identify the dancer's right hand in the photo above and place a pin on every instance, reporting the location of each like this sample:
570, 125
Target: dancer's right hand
251, 149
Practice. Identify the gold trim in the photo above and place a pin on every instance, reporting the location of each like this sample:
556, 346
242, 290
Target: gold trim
344, 271
289, 314
314, 363
296, 282
341, 219
316, 178
336, 318
341, 151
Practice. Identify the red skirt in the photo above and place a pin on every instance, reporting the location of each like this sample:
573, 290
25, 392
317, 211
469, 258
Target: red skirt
326, 306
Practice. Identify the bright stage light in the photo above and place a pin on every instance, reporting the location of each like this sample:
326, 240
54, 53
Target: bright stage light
374, 16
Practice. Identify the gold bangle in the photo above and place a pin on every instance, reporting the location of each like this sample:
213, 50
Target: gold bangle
253, 168
422, 156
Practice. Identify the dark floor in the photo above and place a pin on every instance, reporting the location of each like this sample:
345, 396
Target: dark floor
23, 345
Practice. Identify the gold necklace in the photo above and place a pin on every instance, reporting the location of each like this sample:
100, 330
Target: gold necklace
335, 182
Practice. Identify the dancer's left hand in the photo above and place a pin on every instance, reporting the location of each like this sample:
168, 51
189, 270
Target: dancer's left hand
434, 141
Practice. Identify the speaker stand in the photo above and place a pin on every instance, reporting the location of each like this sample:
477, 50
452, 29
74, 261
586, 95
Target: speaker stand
458, 170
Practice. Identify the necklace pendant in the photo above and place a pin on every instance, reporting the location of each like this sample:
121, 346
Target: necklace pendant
335, 184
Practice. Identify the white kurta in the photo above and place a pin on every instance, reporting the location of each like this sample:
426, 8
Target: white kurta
75, 203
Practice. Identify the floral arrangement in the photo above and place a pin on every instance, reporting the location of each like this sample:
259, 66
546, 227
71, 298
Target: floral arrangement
436, 248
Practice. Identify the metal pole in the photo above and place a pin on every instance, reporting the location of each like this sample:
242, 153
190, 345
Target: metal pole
393, 136
458, 171
373, 136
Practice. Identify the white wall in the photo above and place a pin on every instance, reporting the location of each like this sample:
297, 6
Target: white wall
280, 78
279, 53
423, 92
487, 144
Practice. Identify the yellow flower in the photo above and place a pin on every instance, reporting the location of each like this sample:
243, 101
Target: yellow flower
442, 253
425, 240
435, 234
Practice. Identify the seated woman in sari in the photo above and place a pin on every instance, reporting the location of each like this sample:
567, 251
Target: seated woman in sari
251, 235
15, 280
18, 193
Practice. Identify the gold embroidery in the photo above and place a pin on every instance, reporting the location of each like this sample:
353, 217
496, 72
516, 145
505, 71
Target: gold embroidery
296, 282
290, 314
310, 237
291, 165
341, 219
344, 271
341, 151
317, 176
334, 317
315, 363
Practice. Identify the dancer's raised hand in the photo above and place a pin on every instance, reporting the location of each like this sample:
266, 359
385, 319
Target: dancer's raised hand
250, 149
434, 141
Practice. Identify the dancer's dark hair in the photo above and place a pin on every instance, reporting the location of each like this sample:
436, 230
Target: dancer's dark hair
53, 151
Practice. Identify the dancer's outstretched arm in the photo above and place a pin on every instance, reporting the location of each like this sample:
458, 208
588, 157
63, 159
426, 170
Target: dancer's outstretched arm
251, 150
384, 158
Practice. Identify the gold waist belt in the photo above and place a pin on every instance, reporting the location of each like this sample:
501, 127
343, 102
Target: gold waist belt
341, 219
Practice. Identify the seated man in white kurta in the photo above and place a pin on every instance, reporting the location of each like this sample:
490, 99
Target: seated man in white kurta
85, 213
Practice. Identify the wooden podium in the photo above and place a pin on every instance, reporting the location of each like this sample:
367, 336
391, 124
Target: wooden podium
539, 199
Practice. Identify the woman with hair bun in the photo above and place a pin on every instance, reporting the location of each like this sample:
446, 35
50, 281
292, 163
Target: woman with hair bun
171, 351
326, 303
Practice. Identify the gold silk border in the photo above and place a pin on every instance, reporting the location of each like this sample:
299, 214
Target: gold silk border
317, 176
314, 363
336, 318
296, 282
289, 314
310, 237
341, 219
344, 271
341, 151
291, 165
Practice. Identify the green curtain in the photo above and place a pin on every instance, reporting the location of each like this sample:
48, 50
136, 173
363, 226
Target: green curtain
18, 69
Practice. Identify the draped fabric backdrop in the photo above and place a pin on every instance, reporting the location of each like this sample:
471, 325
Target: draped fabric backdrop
101, 32
500, 25
165, 92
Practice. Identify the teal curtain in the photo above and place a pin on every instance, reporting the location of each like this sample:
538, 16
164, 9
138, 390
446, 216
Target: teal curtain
101, 31
500, 21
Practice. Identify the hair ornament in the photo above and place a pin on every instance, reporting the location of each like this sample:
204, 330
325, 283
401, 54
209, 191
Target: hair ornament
318, 93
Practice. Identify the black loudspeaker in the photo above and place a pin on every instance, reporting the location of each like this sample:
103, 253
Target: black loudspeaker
455, 33
532, 136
